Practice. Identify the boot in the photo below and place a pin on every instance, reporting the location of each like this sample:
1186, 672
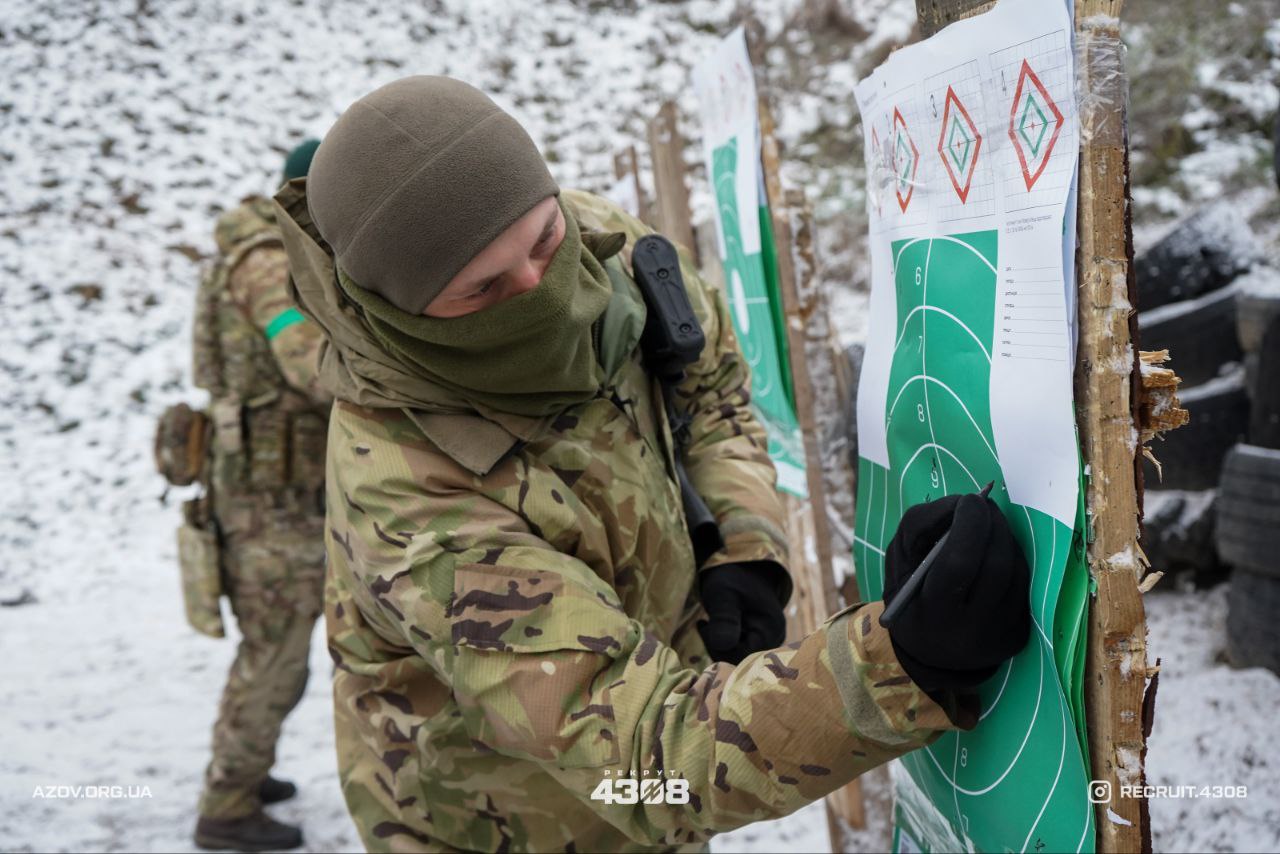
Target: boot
273, 791
254, 832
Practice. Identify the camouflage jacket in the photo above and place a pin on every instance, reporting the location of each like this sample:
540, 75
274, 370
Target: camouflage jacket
258, 357
507, 638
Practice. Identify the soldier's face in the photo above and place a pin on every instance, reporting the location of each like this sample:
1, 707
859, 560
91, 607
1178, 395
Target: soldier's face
509, 266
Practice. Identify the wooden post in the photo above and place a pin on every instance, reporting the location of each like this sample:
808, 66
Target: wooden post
933, 15
819, 576
671, 197
825, 364
815, 581
627, 165
1107, 394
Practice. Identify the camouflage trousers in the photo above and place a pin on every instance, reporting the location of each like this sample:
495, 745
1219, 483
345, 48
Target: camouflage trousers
273, 563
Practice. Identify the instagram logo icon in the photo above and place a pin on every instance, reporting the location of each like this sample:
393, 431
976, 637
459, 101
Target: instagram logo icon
1099, 791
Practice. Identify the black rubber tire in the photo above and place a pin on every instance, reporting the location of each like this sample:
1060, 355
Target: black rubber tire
1248, 527
1264, 417
1200, 335
1178, 539
1205, 252
1191, 456
1253, 621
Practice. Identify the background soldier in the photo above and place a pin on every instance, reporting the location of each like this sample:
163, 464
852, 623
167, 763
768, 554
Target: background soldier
512, 597
257, 357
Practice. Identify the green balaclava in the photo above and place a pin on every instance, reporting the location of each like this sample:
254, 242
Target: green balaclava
415, 179
298, 162
411, 183
533, 354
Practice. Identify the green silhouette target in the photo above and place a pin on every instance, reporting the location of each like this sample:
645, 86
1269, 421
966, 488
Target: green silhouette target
1017, 782
751, 285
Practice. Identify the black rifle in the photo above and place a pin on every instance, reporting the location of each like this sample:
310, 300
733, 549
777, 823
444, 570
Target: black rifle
673, 339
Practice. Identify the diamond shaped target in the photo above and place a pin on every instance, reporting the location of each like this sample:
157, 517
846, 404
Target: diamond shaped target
1034, 124
958, 145
906, 159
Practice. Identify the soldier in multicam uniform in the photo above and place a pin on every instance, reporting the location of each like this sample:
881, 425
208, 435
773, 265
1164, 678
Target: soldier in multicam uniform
258, 357
513, 604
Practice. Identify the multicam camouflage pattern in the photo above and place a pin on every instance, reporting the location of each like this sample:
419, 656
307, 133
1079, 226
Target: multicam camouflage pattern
244, 291
274, 579
263, 387
505, 641
200, 560
266, 480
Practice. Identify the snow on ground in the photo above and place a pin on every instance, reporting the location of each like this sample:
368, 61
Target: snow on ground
1213, 727
126, 127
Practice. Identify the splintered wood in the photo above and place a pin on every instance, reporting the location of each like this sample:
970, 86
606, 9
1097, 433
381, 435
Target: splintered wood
1108, 394
1159, 410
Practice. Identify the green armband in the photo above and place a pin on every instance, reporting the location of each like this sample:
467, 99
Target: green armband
283, 321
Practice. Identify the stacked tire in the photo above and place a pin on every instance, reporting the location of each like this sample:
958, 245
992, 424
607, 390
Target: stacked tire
1248, 523
1248, 535
1248, 530
1190, 286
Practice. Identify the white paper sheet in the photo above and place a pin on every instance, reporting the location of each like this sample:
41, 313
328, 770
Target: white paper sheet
975, 130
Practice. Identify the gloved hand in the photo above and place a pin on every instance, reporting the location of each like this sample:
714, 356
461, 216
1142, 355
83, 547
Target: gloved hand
972, 612
745, 609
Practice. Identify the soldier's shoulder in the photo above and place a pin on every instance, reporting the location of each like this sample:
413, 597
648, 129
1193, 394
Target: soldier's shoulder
600, 214
253, 217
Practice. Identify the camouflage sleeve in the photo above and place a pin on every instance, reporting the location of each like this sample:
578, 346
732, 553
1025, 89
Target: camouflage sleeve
259, 285
727, 459
727, 456
546, 667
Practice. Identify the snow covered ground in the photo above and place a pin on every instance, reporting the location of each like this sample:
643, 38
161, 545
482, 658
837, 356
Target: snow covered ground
1213, 727
125, 127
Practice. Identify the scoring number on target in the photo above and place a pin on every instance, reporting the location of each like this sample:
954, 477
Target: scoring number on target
624, 790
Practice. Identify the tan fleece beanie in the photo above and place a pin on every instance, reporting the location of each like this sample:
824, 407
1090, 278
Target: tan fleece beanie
415, 179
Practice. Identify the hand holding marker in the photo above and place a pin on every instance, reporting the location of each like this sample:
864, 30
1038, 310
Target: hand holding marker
909, 589
956, 591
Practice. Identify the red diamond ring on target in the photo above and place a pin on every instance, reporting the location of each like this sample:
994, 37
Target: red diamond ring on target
906, 157
959, 144
1033, 117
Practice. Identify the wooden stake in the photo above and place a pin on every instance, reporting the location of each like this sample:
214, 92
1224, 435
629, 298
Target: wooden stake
824, 365
819, 572
627, 165
933, 15
671, 197
813, 574
1107, 394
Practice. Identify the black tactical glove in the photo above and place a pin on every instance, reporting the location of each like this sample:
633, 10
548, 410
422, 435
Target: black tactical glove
744, 603
972, 612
